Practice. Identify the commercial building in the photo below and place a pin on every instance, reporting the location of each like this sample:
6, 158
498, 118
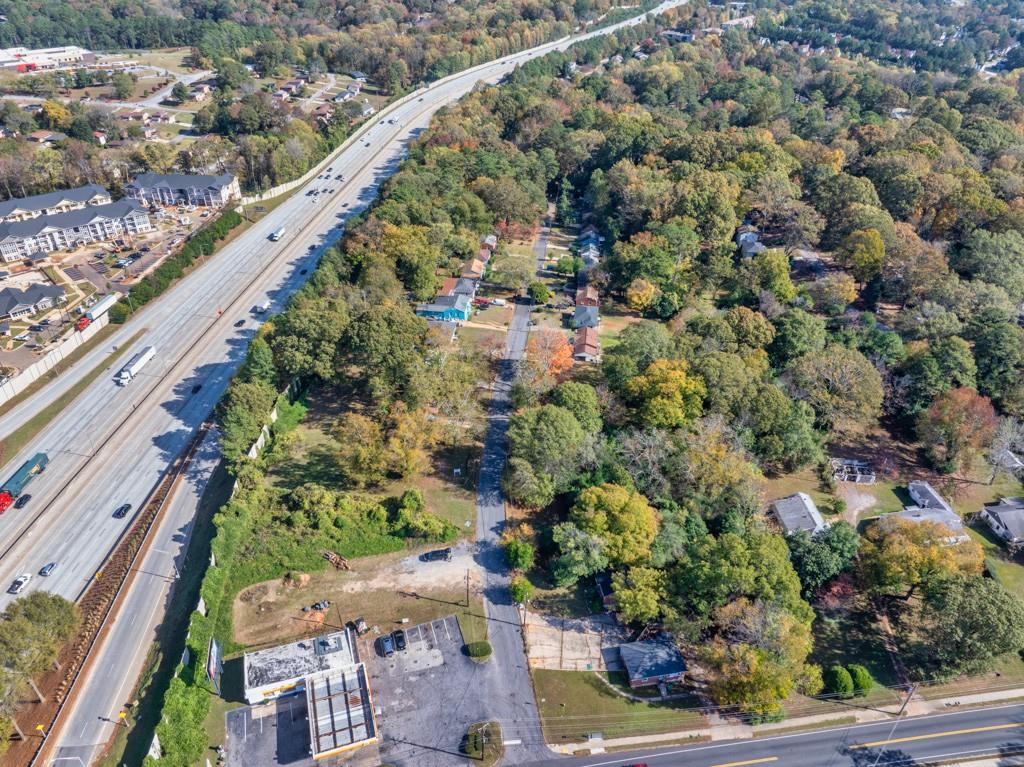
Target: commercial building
337, 689
64, 231
174, 188
37, 59
49, 204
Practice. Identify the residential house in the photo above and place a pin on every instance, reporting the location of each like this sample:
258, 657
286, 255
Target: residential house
46, 137
591, 256
137, 115
798, 512
324, 113
749, 241
927, 497
652, 662
164, 118
943, 516
490, 241
459, 286
61, 201
38, 297
1006, 518
359, 77
345, 96
484, 255
43, 234
149, 133
447, 308
743, 22
367, 109
173, 188
586, 317
294, 87
201, 91
100, 136
441, 332
474, 270
587, 346
640, 56
281, 95
587, 296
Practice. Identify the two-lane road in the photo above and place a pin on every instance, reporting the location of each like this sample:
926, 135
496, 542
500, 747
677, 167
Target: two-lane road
959, 736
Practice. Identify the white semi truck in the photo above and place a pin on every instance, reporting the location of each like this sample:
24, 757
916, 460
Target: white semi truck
130, 371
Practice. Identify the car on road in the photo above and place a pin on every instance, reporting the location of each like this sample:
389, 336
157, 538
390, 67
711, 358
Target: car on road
437, 555
22, 501
196, 388
304, 271
35, 328
398, 636
240, 323
344, 205
122, 511
20, 583
340, 177
145, 248
47, 569
387, 646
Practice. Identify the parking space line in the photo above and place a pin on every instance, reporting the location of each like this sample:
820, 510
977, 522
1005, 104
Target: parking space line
447, 633
432, 633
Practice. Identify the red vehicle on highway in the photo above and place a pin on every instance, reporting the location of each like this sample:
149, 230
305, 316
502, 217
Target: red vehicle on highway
13, 487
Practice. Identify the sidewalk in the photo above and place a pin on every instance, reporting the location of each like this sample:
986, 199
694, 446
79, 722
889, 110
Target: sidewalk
725, 729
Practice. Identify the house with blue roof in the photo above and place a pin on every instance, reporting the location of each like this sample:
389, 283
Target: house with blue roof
451, 308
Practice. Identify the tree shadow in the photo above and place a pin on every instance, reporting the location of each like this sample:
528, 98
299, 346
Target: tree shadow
877, 757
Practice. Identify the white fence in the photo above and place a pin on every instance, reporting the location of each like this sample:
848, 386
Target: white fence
14, 386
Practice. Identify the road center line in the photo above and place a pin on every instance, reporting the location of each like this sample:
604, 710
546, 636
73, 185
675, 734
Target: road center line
945, 734
764, 760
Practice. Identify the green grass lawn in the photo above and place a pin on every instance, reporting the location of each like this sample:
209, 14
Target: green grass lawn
1009, 571
614, 319
575, 703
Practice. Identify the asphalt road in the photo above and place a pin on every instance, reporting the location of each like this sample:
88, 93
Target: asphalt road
113, 444
957, 736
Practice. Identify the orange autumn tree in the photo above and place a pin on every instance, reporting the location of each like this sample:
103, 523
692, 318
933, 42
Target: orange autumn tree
548, 358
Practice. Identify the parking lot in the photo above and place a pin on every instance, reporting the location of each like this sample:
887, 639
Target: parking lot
412, 688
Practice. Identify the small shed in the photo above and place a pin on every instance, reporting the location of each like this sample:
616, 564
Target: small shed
652, 662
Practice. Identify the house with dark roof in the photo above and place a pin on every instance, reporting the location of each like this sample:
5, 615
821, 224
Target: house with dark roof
61, 201
173, 188
1006, 518
798, 512
15, 303
926, 496
459, 286
586, 317
37, 236
652, 662
454, 308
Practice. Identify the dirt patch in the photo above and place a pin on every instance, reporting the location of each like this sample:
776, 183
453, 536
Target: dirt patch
382, 589
857, 501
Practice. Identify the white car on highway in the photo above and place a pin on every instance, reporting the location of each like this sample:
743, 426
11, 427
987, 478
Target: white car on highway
20, 583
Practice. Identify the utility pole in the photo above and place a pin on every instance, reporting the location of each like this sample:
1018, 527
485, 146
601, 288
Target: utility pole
899, 716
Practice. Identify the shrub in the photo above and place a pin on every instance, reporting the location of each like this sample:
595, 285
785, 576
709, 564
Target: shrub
836, 506
521, 589
520, 554
862, 679
479, 650
838, 682
539, 292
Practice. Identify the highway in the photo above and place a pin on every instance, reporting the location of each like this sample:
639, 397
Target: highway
112, 444
960, 736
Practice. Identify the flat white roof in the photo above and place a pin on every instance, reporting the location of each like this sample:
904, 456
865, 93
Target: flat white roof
294, 661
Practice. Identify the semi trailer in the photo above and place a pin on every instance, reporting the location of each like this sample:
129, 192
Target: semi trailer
130, 371
15, 486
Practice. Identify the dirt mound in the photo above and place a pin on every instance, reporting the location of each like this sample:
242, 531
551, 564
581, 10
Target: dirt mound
296, 580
